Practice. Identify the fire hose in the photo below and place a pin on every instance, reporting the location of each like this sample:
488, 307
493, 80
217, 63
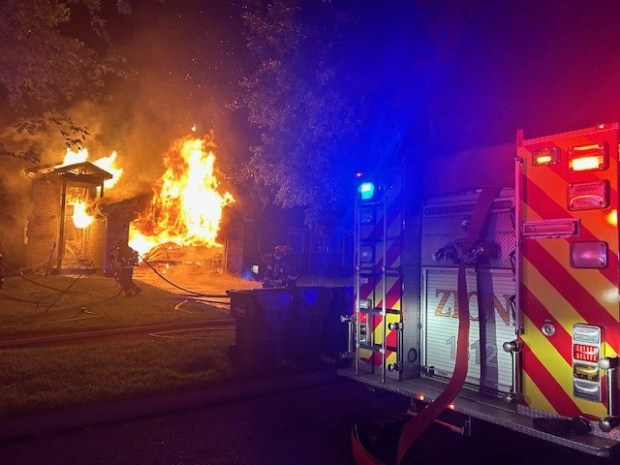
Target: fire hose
20, 275
414, 427
191, 293
69, 286
61, 291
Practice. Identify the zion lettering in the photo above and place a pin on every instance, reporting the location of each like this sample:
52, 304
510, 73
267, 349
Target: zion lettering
489, 302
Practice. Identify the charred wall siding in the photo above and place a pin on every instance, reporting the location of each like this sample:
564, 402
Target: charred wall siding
42, 229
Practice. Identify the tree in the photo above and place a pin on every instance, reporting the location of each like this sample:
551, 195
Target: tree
49, 59
286, 102
314, 102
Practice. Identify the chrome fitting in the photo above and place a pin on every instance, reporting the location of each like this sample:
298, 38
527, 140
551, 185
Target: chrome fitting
395, 367
512, 346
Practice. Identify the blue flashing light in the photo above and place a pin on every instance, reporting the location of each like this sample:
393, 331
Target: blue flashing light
367, 190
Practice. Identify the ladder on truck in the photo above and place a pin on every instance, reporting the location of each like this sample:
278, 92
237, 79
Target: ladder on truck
378, 277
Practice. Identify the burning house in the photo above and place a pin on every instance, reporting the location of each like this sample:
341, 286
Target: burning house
71, 227
61, 234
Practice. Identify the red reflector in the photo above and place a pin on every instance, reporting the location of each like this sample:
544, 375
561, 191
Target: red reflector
589, 195
587, 157
585, 353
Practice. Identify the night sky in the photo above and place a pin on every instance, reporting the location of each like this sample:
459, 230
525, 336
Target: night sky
459, 74
543, 66
449, 75
465, 73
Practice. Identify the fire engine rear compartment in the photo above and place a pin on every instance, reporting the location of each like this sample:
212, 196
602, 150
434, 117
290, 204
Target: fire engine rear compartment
407, 310
487, 392
491, 290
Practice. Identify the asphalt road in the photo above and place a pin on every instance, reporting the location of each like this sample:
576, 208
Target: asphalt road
310, 426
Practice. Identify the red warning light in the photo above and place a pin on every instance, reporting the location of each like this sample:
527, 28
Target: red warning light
587, 158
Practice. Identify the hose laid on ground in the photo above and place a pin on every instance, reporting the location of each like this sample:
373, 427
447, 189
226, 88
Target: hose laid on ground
69, 286
17, 299
192, 293
170, 334
19, 275
202, 301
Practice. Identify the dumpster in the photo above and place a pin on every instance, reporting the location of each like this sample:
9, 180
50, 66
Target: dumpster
299, 326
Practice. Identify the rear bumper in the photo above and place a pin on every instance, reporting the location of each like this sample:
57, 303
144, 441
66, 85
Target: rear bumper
493, 410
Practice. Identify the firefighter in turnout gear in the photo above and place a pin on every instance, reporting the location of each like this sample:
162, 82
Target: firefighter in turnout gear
282, 268
127, 258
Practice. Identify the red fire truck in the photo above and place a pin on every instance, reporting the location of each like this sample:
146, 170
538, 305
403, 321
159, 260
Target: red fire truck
486, 286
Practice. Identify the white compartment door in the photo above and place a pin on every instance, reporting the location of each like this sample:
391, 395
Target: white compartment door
492, 290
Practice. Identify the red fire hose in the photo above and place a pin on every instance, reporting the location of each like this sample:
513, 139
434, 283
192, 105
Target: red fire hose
416, 425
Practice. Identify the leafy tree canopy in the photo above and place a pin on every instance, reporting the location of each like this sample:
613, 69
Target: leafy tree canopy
49, 59
314, 92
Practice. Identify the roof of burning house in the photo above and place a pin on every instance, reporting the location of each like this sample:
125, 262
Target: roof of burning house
85, 172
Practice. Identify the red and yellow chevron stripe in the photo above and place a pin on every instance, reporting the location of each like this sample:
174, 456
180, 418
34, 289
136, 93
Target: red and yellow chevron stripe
554, 292
385, 232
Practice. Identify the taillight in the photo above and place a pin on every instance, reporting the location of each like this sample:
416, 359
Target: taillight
587, 158
546, 156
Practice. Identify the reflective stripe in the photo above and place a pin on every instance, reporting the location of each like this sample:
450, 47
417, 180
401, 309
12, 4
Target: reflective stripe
554, 294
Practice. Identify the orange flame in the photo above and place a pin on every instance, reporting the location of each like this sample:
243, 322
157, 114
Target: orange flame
187, 207
81, 219
105, 163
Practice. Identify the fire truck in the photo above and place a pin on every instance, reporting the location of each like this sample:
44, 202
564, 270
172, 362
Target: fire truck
486, 287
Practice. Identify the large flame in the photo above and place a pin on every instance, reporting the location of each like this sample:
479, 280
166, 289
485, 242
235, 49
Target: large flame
105, 163
186, 207
81, 218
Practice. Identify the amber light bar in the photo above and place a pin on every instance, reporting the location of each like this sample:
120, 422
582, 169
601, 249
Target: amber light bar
546, 156
588, 158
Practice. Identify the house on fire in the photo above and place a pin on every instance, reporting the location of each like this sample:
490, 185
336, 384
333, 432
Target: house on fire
61, 235
71, 228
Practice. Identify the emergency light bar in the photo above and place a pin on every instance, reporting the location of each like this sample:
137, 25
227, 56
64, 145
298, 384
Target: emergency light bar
587, 158
366, 190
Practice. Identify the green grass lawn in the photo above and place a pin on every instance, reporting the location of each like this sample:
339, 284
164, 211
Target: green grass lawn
47, 378
29, 307
42, 378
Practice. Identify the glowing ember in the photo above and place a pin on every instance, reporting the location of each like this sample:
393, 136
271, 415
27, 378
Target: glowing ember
186, 207
81, 219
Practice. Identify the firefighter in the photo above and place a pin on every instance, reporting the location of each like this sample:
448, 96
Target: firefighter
282, 268
126, 257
